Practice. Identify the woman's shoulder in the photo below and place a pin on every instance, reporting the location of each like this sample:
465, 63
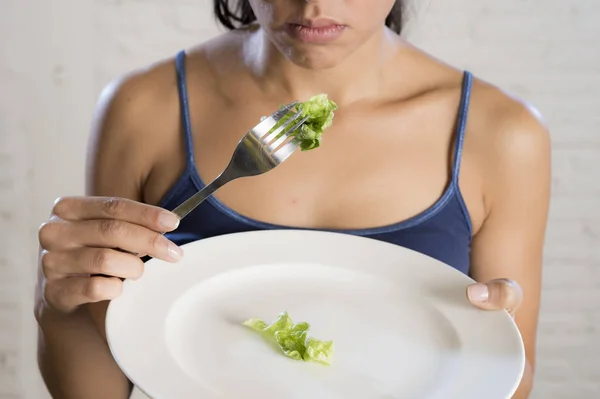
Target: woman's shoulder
133, 115
490, 104
506, 136
509, 146
506, 140
154, 87
507, 130
148, 89
136, 106
139, 114
495, 115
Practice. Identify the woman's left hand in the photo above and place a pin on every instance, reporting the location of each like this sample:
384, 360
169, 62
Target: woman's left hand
497, 294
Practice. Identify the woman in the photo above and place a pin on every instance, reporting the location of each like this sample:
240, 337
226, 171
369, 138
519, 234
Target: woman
449, 165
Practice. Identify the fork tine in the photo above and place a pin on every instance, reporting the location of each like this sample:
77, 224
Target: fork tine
265, 125
284, 152
283, 111
282, 139
273, 135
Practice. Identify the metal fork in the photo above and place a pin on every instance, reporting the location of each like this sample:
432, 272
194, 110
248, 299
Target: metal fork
258, 152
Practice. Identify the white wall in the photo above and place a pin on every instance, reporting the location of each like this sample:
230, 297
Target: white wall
52, 67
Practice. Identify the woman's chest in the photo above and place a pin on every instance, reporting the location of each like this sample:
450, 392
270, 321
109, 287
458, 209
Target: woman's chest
371, 170
365, 173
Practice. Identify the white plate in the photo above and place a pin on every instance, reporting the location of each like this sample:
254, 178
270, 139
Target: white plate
400, 321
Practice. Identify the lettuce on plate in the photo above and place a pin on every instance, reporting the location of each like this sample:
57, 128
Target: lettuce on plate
319, 110
293, 339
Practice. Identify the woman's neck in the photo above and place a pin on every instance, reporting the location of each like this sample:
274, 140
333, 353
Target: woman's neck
359, 76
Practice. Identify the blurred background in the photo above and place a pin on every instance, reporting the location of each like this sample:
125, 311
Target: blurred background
55, 57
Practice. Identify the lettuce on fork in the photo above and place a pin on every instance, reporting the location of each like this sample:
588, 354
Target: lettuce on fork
293, 339
319, 110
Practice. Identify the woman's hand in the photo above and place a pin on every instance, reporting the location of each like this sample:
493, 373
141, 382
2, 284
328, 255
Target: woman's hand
496, 294
88, 247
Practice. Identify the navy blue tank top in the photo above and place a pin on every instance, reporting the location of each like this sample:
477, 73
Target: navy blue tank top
443, 231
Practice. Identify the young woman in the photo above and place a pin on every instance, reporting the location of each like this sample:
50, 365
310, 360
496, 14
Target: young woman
420, 154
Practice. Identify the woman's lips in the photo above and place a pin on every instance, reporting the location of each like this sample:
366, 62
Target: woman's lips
316, 32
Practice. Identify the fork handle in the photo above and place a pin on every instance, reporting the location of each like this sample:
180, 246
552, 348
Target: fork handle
191, 203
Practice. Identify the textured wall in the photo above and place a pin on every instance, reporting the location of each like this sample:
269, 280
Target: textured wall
52, 67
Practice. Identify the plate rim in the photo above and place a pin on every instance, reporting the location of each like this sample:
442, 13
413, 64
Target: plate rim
207, 241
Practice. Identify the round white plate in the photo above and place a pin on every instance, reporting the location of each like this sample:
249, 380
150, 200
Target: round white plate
400, 321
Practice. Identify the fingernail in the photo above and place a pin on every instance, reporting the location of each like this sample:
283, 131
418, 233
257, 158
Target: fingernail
169, 221
478, 293
175, 252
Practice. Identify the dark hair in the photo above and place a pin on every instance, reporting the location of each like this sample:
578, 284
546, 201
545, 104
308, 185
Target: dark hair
240, 13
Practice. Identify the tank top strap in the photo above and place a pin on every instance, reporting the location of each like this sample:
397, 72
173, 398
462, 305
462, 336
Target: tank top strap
185, 108
463, 113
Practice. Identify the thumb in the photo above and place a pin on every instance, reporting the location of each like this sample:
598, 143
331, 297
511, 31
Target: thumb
496, 294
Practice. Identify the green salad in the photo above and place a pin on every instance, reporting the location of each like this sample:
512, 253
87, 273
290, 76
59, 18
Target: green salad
319, 110
293, 339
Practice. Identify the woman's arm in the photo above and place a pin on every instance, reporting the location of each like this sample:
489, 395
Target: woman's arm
509, 244
73, 357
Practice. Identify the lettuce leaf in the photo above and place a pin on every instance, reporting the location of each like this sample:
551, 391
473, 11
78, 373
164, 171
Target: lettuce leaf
256, 324
320, 112
318, 351
293, 339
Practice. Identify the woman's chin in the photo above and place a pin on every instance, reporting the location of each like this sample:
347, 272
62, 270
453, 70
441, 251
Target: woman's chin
309, 63
316, 59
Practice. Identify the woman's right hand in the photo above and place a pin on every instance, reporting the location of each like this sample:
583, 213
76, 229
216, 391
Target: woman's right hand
88, 247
